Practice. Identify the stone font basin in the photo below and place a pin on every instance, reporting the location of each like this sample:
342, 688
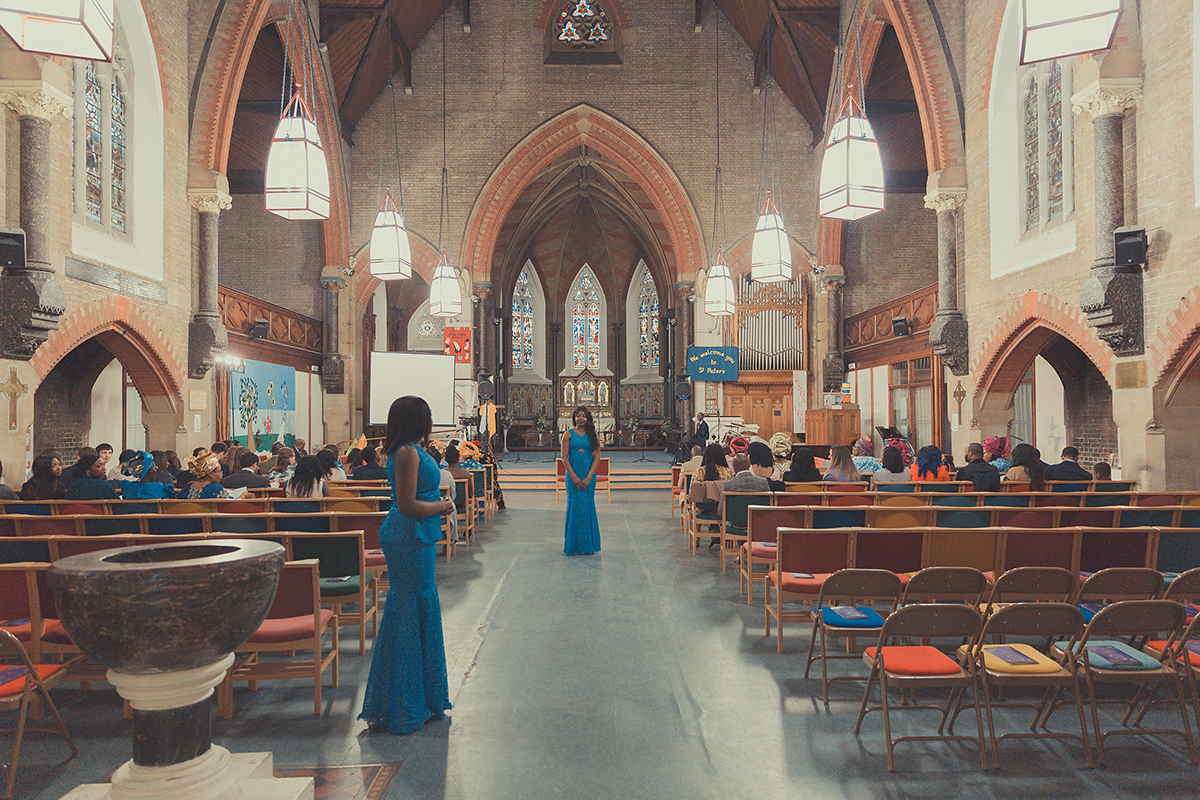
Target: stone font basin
166, 607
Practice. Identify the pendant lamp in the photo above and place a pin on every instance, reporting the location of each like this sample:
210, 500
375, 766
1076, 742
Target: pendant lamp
297, 178
720, 300
771, 257
70, 28
445, 298
391, 259
1057, 29
851, 170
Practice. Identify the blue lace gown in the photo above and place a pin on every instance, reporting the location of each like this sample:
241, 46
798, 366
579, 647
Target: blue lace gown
582, 534
408, 685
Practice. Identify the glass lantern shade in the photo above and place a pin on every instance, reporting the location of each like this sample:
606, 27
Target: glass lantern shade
1055, 30
771, 256
70, 28
391, 259
297, 178
719, 297
851, 170
445, 298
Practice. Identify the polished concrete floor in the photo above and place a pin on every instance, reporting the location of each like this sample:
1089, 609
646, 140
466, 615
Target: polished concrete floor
635, 673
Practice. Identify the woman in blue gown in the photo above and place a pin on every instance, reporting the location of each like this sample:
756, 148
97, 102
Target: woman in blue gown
408, 685
581, 456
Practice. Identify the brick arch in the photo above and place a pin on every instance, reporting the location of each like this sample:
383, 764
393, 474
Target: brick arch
1174, 343
214, 105
606, 136
133, 336
614, 8
1022, 333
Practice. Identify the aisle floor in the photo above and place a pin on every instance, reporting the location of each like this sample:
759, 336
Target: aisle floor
636, 673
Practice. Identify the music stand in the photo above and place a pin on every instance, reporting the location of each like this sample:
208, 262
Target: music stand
642, 457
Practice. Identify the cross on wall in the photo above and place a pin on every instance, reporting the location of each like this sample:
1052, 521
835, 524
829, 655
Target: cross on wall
14, 389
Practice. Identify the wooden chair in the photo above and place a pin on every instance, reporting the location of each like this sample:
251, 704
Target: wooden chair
805, 559
733, 520
464, 510
295, 622
1104, 656
908, 667
846, 609
604, 478
343, 576
19, 612
23, 684
676, 488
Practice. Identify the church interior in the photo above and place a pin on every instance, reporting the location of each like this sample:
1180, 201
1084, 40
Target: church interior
218, 226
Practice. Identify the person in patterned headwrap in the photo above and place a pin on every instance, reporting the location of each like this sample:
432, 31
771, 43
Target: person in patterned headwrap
862, 452
906, 450
995, 450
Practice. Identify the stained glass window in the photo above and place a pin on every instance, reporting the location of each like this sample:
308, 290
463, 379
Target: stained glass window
1031, 155
1054, 143
648, 323
93, 134
582, 24
585, 323
117, 112
522, 323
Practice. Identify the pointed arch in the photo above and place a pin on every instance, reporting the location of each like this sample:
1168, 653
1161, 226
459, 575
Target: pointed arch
527, 306
586, 312
643, 301
608, 137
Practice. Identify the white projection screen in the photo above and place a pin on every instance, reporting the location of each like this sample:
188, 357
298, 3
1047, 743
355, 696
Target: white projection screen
427, 375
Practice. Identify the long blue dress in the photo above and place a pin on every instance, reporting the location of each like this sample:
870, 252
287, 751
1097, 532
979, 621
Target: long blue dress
408, 683
582, 534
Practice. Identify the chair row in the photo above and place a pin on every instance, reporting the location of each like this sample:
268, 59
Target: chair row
1011, 642
603, 478
241, 505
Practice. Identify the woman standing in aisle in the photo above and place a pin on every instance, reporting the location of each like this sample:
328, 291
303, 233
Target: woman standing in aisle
581, 456
408, 685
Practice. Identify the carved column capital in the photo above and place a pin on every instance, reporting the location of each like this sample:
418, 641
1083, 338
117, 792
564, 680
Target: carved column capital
213, 201
1107, 97
35, 99
831, 278
685, 289
333, 278
944, 200
482, 289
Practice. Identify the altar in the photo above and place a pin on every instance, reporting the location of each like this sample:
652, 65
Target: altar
590, 390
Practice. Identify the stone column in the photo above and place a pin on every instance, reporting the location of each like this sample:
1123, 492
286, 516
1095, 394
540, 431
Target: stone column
554, 347
32, 299
333, 367
485, 346
833, 367
207, 337
948, 334
1112, 295
618, 338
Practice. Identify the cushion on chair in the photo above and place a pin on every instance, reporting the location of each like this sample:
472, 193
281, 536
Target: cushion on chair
20, 628
764, 550
375, 558
339, 586
1113, 654
1000, 658
866, 617
288, 629
793, 582
14, 683
55, 633
916, 660
713, 517
1193, 651
1090, 610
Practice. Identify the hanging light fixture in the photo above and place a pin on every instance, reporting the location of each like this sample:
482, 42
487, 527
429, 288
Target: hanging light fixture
70, 28
297, 176
1056, 30
852, 170
720, 299
851, 185
771, 255
445, 296
391, 259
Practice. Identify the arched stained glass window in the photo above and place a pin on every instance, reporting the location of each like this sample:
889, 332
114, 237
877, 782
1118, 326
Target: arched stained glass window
1054, 143
582, 24
93, 137
522, 323
648, 323
117, 111
1031, 155
585, 323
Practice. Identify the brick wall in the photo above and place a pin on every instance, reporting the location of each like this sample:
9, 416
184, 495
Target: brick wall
1089, 416
271, 258
889, 254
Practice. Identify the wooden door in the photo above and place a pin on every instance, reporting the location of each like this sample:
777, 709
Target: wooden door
763, 399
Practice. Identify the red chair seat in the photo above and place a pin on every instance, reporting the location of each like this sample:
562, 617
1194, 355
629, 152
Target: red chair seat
799, 585
1157, 647
916, 660
375, 558
55, 633
762, 550
20, 628
288, 629
17, 685
904, 577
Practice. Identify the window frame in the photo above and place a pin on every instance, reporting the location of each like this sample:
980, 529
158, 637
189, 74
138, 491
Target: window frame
1040, 74
106, 75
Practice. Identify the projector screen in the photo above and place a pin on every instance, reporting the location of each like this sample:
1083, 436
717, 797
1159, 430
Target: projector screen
427, 375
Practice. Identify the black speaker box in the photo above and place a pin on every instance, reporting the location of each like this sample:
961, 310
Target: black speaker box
12, 247
1130, 245
683, 387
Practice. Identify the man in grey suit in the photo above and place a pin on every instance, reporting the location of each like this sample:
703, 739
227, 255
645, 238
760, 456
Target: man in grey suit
743, 479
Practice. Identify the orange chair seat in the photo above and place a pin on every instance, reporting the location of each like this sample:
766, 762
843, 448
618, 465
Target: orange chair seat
288, 629
375, 558
915, 660
799, 585
20, 628
1193, 656
16, 685
763, 550
905, 577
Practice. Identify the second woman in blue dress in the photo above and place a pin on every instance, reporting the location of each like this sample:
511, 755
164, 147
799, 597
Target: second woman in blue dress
581, 457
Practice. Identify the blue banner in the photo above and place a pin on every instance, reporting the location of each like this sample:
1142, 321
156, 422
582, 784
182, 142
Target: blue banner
712, 363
